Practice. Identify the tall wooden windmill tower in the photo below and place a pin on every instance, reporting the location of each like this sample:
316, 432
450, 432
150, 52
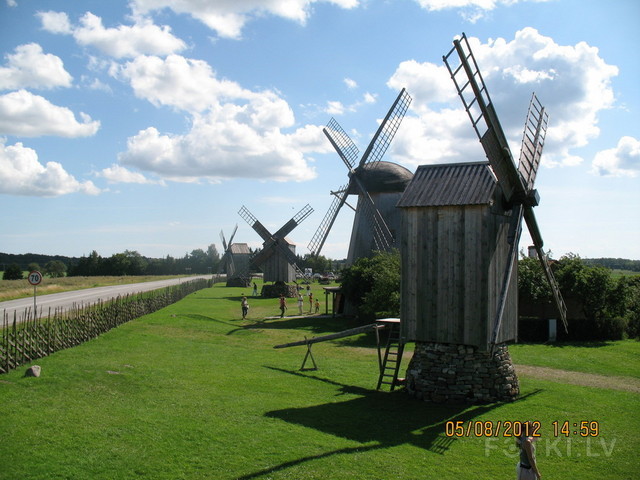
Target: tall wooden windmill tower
461, 225
277, 258
235, 261
378, 185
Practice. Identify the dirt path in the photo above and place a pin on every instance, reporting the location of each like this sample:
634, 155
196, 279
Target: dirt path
628, 384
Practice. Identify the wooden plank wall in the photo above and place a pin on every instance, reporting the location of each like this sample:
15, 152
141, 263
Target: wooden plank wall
453, 260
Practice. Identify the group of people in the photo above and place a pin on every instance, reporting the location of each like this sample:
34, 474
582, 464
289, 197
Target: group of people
244, 303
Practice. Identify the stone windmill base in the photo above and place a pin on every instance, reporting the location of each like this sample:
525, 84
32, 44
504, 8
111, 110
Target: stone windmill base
441, 372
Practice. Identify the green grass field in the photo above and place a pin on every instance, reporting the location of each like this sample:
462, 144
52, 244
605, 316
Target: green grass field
194, 392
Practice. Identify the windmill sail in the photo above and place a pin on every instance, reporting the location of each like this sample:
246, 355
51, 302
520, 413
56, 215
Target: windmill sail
387, 130
318, 239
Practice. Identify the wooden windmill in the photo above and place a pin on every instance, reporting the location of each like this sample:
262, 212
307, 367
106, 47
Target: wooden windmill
235, 261
461, 225
378, 185
277, 258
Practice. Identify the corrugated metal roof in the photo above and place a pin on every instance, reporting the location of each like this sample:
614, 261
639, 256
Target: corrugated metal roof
450, 184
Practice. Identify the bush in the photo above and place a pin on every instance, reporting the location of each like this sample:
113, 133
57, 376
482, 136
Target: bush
13, 272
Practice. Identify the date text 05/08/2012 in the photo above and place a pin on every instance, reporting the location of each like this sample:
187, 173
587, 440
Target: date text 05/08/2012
499, 428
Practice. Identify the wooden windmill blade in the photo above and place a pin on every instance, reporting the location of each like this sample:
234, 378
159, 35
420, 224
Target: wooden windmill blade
342, 143
477, 102
536, 237
387, 129
535, 130
255, 224
265, 254
382, 237
294, 222
318, 239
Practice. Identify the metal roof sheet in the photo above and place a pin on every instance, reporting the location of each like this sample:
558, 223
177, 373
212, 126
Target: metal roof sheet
450, 184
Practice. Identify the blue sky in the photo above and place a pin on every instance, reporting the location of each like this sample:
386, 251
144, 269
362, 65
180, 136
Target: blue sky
146, 125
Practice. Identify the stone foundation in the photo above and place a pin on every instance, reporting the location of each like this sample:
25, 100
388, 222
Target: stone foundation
461, 374
279, 288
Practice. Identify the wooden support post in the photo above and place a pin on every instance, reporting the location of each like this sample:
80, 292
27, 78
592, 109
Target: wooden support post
308, 355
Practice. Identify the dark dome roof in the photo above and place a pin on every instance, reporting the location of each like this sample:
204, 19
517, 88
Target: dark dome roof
382, 177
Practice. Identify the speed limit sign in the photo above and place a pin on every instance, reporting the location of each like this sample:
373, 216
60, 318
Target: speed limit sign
35, 278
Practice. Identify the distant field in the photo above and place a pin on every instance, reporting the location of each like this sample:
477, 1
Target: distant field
194, 392
12, 289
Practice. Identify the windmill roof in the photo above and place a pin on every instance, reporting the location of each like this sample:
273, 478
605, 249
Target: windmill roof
450, 184
382, 177
239, 248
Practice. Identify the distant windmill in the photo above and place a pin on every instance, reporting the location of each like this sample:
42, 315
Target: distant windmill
378, 185
235, 261
459, 249
277, 258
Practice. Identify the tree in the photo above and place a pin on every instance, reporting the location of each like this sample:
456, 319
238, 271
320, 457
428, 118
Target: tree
33, 267
373, 285
55, 269
13, 272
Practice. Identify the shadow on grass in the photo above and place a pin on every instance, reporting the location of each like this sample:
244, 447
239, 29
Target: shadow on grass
574, 344
388, 419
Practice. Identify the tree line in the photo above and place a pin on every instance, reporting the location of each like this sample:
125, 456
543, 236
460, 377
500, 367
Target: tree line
131, 262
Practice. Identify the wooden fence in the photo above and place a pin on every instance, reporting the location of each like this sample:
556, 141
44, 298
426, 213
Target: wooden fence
37, 335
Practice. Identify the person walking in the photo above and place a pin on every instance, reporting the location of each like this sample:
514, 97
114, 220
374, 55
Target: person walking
310, 302
245, 306
317, 305
300, 303
527, 468
283, 305
255, 289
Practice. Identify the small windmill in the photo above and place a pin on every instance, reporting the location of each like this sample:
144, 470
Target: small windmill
377, 184
277, 258
235, 261
461, 224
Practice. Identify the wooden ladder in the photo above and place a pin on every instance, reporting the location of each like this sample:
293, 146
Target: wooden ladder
390, 365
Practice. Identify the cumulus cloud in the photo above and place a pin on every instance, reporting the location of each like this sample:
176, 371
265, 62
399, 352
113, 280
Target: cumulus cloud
621, 161
22, 174
573, 83
119, 174
24, 114
235, 132
123, 41
228, 17
29, 67
470, 10
55, 22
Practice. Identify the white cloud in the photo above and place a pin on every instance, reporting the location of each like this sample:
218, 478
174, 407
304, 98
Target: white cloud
29, 66
228, 17
335, 108
470, 10
119, 174
235, 132
24, 114
22, 174
572, 82
350, 83
621, 161
55, 22
123, 41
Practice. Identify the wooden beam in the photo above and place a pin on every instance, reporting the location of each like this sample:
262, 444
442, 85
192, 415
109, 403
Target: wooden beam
333, 336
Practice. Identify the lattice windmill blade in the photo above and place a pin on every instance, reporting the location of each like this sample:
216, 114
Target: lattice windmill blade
224, 242
477, 102
318, 239
535, 131
233, 234
536, 237
294, 222
382, 237
342, 143
255, 224
387, 129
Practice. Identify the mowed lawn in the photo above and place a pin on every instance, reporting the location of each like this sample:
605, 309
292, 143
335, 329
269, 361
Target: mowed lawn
194, 392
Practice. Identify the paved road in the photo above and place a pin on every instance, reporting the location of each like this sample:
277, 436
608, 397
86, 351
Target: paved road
86, 296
